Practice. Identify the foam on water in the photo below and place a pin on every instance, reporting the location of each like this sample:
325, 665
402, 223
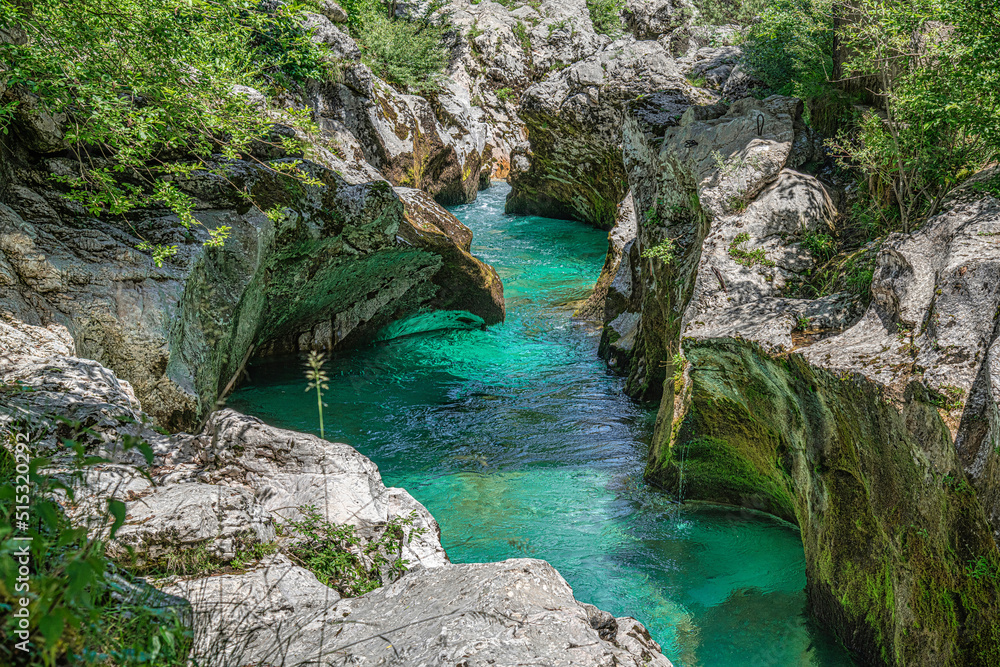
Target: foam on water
521, 443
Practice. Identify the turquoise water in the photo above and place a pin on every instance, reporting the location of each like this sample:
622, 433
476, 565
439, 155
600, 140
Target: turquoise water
520, 443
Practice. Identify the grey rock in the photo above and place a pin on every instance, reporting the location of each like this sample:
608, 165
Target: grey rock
288, 470
333, 11
515, 612
574, 119
624, 232
648, 19
322, 31
178, 333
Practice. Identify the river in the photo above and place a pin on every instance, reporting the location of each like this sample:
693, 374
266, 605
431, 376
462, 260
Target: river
522, 444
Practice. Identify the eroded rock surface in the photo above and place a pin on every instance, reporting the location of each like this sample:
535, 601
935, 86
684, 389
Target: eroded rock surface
518, 611
855, 448
573, 168
337, 263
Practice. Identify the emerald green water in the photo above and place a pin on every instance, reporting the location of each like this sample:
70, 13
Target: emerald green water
520, 443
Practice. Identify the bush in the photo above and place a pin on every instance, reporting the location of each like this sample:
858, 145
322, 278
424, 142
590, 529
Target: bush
790, 48
147, 88
728, 12
937, 88
406, 53
72, 615
339, 558
606, 17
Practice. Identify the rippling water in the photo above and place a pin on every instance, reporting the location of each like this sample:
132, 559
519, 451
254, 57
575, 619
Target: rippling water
520, 443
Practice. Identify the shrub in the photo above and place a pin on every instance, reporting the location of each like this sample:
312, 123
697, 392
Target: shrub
728, 12
790, 48
339, 558
143, 83
939, 117
406, 52
606, 17
663, 252
73, 617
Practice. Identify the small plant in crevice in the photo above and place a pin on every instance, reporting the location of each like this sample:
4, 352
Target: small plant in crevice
821, 246
342, 560
802, 324
749, 258
680, 365
504, 94
663, 251
318, 380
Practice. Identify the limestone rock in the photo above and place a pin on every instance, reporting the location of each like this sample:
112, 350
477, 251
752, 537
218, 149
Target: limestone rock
332, 11
648, 19
933, 318
166, 519
519, 611
322, 31
623, 233
719, 187
179, 333
876, 489
288, 470
574, 119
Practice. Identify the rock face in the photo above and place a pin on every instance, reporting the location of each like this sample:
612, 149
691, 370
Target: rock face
341, 263
933, 318
519, 611
853, 448
723, 210
892, 531
573, 169
648, 19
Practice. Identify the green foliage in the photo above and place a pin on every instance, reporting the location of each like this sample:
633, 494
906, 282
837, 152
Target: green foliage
790, 48
147, 90
406, 53
680, 364
72, 617
339, 557
504, 94
749, 258
318, 380
606, 17
728, 12
821, 246
939, 120
521, 32
663, 252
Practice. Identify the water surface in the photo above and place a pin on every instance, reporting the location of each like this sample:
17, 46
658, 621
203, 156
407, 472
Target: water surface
520, 443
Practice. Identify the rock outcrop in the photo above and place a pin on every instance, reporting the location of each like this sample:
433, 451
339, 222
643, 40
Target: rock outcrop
850, 440
343, 260
518, 611
573, 168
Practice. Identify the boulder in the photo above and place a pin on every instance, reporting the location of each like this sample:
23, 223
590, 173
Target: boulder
573, 169
339, 45
519, 611
287, 471
649, 19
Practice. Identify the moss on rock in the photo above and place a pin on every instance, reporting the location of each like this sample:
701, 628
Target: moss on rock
900, 559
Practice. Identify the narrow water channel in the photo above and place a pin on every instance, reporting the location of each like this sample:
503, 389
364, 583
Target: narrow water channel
520, 443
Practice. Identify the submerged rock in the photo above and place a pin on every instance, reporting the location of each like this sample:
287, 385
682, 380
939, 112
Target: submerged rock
519, 611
